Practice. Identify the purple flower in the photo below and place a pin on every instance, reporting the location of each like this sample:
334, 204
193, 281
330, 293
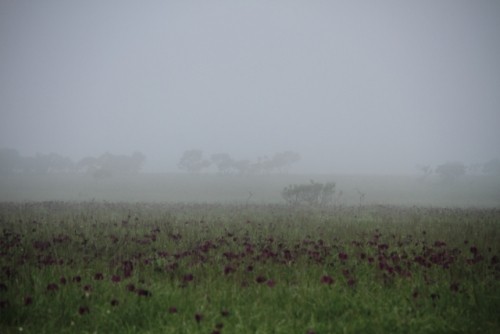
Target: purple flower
346, 273
144, 293
172, 309
439, 243
128, 268
98, 276
115, 278
383, 247
326, 279
260, 279
83, 310
173, 266
228, 270
41, 245
198, 317
28, 300
187, 278
52, 287
270, 283
351, 282
4, 304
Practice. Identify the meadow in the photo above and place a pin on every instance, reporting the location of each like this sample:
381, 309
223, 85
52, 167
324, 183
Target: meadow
225, 254
402, 190
122, 267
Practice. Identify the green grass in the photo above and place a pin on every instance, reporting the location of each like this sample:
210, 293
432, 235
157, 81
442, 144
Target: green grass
247, 268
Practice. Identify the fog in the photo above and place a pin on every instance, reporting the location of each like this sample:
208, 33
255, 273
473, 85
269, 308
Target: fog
352, 86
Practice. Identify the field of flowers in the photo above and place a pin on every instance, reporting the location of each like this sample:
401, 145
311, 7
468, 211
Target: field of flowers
212, 268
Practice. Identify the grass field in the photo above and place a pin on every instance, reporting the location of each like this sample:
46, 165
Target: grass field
406, 190
105, 267
224, 254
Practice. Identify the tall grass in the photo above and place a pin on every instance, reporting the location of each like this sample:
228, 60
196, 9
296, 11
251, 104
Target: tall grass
213, 268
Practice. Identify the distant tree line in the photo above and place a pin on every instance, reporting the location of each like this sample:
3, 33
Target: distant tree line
451, 171
109, 164
105, 165
194, 161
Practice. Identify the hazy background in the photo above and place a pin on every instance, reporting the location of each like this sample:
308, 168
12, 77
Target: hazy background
353, 86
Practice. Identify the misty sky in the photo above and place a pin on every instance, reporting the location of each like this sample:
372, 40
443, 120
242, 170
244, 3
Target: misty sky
353, 86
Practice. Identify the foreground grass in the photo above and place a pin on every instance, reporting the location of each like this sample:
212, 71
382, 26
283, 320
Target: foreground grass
127, 268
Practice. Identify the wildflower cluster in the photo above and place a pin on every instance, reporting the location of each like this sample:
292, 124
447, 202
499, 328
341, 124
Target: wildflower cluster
190, 270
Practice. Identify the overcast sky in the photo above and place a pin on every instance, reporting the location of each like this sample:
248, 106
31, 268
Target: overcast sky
353, 86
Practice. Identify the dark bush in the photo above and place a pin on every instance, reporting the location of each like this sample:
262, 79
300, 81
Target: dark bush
313, 193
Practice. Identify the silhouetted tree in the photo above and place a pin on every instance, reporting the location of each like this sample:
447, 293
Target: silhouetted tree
122, 164
282, 161
102, 173
242, 166
87, 165
108, 164
223, 162
426, 171
12, 162
192, 161
492, 167
450, 171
